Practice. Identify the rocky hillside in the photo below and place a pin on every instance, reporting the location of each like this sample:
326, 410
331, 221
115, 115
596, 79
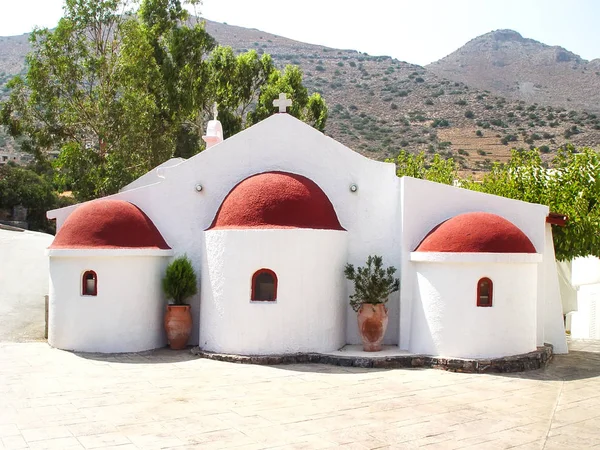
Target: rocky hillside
508, 64
379, 105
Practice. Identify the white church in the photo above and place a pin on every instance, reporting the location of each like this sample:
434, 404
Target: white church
269, 218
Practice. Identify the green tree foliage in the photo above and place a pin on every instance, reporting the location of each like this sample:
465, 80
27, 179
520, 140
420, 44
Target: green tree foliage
311, 109
179, 282
23, 187
416, 165
570, 187
119, 91
372, 283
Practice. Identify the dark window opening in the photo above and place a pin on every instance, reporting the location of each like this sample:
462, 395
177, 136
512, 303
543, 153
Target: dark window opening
485, 291
89, 283
264, 285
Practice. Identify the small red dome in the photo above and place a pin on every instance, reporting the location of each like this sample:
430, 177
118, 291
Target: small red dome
108, 224
476, 232
276, 200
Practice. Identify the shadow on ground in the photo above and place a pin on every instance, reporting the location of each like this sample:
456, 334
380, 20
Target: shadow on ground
157, 356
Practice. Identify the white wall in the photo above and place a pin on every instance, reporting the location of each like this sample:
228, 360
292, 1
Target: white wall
585, 271
585, 322
126, 315
23, 283
425, 204
310, 311
550, 311
448, 322
283, 143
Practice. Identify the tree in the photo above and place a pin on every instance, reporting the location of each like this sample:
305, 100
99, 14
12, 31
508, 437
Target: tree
416, 166
23, 187
118, 91
570, 187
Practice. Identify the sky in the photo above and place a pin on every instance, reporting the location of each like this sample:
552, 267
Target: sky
416, 31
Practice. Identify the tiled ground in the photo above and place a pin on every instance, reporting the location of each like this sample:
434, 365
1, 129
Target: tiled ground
55, 399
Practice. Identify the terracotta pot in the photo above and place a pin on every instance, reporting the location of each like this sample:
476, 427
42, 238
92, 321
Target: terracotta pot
178, 325
372, 323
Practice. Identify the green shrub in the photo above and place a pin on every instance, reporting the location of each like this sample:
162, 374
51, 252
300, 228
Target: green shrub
479, 133
372, 283
469, 114
179, 282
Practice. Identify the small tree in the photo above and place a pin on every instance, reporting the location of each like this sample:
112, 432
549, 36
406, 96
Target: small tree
179, 282
372, 283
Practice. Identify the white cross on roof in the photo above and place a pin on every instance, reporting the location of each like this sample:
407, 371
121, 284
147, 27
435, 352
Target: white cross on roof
282, 102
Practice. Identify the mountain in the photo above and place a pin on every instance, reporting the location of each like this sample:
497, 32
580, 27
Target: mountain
506, 63
379, 105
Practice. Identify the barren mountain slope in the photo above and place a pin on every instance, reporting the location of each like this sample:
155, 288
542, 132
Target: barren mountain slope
507, 64
379, 105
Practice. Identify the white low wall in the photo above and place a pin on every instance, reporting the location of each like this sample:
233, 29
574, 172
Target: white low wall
127, 314
310, 311
448, 322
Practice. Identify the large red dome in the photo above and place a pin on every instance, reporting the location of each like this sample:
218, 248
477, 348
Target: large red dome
276, 200
108, 224
476, 232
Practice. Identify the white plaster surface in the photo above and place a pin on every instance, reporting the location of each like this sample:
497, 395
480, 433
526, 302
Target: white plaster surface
23, 284
585, 322
446, 320
424, 205
585, 271
126, 315
310, 311
551, 324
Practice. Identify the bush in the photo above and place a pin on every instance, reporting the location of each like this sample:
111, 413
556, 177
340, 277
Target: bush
320, 68
469, 114
179, 282
372, 283
479, 133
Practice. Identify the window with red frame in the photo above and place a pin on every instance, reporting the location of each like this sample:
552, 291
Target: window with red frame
264, 286
485, 292
89, 284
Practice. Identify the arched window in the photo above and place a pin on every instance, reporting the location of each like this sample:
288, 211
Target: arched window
89, 283
264, 286
485, 292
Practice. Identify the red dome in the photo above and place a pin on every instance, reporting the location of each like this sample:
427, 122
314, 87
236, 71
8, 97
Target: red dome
276, 200
476, 232
108, 224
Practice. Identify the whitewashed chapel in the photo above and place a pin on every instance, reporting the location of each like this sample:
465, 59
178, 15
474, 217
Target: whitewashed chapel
269, 218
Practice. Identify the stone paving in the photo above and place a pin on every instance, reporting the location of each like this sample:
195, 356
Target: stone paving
51, 399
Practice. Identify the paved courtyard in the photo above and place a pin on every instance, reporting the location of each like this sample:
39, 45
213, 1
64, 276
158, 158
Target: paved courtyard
166, 399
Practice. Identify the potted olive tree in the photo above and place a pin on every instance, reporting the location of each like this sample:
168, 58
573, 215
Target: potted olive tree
179, 284
372, 286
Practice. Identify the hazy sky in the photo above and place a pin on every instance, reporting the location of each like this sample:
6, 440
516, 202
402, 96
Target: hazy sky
417, 31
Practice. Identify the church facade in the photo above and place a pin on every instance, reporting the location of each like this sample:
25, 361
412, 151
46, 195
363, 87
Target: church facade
269, 218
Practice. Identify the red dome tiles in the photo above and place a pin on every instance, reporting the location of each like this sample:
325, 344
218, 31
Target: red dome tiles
476, 232
108, 224
276, 200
